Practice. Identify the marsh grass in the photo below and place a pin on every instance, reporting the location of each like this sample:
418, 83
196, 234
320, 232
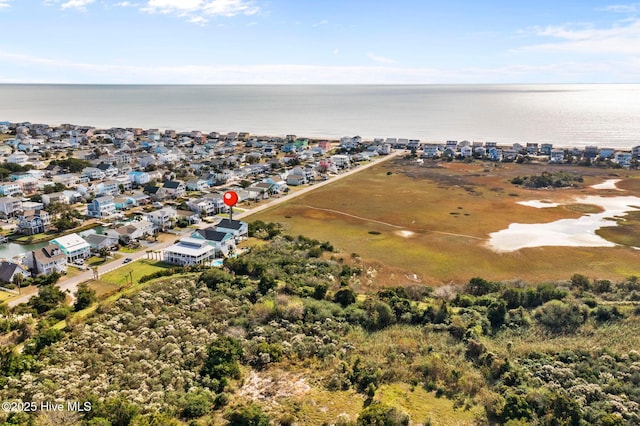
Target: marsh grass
449, 248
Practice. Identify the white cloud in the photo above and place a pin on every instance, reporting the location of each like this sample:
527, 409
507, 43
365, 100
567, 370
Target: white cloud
96, 73
198, 8
621, 8
323, 22
380, 59
622, 38
4, 4
76, 4
336, 51
198, 20
124, 4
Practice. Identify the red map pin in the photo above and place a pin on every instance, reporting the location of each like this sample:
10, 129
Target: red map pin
230, 198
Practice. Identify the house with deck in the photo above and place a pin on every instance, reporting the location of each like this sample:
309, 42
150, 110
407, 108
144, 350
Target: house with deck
10, 206
101, 207
33, 222
223, 242
237, 228
189, 251
46, 260
74, 247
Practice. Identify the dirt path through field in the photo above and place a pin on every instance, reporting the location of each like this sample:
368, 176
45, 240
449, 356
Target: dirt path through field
387, 223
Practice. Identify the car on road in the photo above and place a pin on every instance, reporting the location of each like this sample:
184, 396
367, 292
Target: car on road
127, 260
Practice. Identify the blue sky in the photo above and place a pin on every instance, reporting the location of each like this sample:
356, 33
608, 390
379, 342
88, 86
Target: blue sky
317, 42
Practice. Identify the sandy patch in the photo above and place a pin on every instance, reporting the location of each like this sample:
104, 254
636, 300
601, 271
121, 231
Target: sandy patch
405, 234
278, 385
608, 184
538, 204
580, 232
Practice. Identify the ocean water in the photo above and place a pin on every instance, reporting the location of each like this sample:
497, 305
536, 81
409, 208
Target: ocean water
565, 115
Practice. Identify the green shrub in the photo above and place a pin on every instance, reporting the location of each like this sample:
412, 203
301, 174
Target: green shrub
379, 414
561, 317
247, 415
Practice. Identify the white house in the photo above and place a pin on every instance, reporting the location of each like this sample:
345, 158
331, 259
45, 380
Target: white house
189, 251
223, 242
10, 189
10, 206
47, 260
162, 218
73, 246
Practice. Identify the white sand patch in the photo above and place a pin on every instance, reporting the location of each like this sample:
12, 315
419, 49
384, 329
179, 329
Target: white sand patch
608, 184
580, 232
405, 234
538, 204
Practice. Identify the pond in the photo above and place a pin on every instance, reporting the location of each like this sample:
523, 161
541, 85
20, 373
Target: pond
580, 232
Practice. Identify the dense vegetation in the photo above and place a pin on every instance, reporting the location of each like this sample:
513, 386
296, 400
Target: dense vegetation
548, 180
187, 349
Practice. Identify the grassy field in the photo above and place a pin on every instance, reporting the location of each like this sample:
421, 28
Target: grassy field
430, 223
132, 271
4, 296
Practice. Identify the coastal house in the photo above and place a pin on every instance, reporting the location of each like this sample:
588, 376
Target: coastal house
590, 152
108, 187
156, 193
139, 178
19, 158
296, 177
93, 173
197, 184
9, 271
237, 228
430, 150
163, 218
509, 155
557, 156
98, 242
623, 158
10, 189
466, 151
74, 247
222, 242
606, 153
33, 222
10, 206
635, 151
47, 260
174, 188
545, 148
494, 153
131, 232
101, 207
108, 169
532, 148
189, 251
139, 199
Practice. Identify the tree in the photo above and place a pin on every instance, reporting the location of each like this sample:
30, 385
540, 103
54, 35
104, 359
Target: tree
49, 297
561, 317
223, 355
345, 297
247, 415
379, 414
84, 297
496, 313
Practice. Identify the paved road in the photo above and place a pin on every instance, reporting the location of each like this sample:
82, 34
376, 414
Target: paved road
71, 285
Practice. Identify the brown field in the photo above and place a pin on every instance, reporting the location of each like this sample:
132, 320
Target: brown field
429, 223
